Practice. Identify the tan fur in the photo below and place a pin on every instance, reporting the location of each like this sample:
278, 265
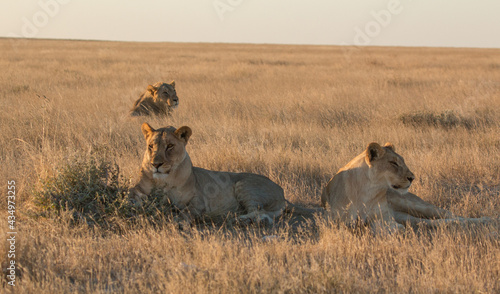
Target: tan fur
373, 189
199, 192
159, 99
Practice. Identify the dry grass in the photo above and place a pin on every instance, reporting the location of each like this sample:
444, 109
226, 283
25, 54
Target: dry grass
294, 113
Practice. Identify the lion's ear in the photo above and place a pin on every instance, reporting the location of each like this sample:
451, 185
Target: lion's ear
389, 145
172, 83
152, 89
374, 151
147, 130
183, 133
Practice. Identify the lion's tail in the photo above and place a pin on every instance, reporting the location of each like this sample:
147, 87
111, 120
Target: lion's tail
293, 208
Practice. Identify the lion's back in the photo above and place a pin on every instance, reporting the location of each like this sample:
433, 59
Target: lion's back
146, 105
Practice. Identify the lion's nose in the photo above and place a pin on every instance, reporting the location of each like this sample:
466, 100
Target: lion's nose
156, 165
411, 178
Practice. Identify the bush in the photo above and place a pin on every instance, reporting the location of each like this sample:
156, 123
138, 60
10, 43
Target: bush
93, 190
447, 119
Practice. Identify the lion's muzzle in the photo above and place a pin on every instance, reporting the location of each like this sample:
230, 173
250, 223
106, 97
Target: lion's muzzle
160, 168
173, 102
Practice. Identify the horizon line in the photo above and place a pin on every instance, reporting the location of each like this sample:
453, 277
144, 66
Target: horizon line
245, 43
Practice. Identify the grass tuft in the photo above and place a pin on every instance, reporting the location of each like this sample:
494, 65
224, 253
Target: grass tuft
447, 119
95, 192
20, 89
90, 187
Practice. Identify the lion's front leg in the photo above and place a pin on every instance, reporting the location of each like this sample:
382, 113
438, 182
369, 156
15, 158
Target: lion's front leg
404, 218
140, 191
382, 220
137, 196
414, 206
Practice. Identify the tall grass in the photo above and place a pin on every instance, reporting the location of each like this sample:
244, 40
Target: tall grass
293, 113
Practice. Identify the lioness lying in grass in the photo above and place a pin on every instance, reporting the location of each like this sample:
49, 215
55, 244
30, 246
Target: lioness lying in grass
373, 189
198, 192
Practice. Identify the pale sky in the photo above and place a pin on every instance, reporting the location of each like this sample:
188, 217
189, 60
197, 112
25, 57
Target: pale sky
443, 23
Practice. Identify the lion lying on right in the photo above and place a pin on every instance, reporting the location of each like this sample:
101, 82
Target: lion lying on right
373, 189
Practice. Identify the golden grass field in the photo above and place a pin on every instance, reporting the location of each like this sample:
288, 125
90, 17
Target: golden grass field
293, 113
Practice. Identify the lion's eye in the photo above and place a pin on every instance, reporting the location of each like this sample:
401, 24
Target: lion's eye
394, 163
170, 146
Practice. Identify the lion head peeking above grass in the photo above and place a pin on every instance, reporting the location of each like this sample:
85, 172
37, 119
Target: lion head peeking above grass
159, 99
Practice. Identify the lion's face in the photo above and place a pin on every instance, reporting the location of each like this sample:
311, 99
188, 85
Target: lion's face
386, 165
166, 149
165, 92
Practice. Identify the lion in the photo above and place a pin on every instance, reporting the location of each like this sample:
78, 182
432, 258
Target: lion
373, 189
199, 193
159, 99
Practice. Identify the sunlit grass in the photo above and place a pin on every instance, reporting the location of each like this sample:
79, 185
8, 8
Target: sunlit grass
293, 113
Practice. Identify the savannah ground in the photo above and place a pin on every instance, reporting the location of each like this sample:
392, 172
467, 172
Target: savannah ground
293, 113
